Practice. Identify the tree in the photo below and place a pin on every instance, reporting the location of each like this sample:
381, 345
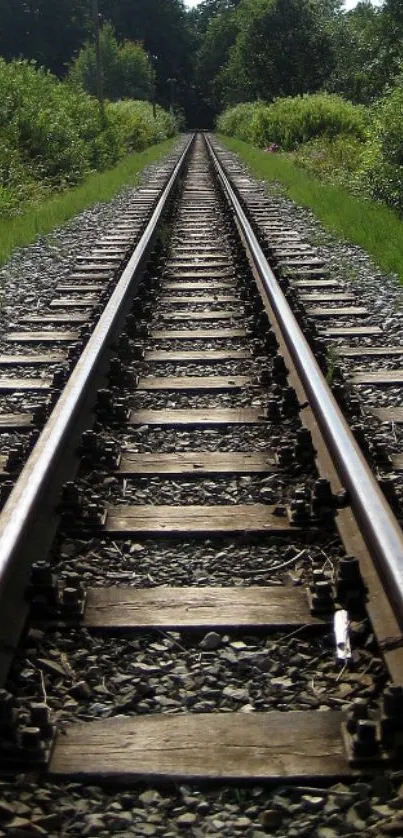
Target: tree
282, 49
363, 63
48, 32
126, 69
162, 27
213, 55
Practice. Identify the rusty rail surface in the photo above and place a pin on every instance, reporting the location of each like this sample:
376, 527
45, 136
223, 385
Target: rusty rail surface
379, 526
29, 518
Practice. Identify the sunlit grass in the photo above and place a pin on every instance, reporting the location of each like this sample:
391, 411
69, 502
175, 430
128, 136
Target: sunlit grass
39, 220
376, 229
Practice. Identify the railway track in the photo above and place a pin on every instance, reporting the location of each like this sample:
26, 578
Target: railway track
195, 511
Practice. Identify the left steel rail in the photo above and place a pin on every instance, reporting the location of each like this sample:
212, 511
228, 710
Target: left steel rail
29, 519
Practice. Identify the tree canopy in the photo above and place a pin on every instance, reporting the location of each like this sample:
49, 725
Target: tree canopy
221, 52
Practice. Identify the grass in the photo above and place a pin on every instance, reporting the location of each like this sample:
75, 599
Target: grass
375, 228
22, 230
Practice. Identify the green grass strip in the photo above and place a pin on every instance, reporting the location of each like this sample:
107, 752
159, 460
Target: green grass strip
100, 186
375, 228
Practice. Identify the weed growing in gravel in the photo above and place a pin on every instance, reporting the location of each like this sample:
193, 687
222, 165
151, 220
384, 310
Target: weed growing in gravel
23, 230
375, 228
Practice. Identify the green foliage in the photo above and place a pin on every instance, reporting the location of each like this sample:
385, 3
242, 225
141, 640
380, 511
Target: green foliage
126, 68
295, 120
382, 167
51, 137
136, 127
334, 159
363, 63
282, 48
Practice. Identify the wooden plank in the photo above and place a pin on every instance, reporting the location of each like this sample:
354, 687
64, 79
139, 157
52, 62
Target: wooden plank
197, 286
83, 302
98, 257
196, 334
201, 315
32, 360
199, 416
195, 382
326, 298
78, 289
95, 269
179, 608
198, 463
206, 356
200, 273
215, 263
379, 377
90, 278
345, 311
359, 351
195, 520
204, 746
315, 283
388, 414
54, 318
351, 331
170, 299
26, 385
302, 262
51, 336
16, 421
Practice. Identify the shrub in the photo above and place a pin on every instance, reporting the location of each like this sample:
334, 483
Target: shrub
137, 127
336, 160
382, 165
295, 120
51, 136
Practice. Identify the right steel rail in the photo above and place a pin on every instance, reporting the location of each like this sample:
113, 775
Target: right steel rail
380, 528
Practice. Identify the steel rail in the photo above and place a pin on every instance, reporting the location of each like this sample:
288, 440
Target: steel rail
379, 526
31, 505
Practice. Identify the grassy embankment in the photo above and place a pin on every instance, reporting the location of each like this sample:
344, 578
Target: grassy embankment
375, 228
23, 229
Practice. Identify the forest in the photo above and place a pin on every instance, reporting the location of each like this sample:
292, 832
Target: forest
320, 82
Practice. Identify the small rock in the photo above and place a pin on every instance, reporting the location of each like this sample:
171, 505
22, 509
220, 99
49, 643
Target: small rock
211, 641
271, 819
80, 690
393, 827
237, 694
187, 819
363, 808
312, 803
326, 832
150, 796
241, 823
354, 820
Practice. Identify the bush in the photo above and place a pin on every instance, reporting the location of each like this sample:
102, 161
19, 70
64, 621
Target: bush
292, 121
51, 136
54, 128
336, 160
382, 166
135, 125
